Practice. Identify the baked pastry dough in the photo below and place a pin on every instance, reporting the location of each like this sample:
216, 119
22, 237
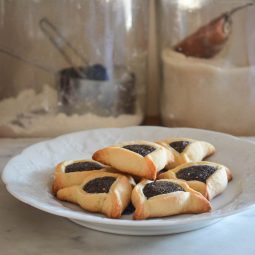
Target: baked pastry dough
102, 192
139, 158
186, 150
166, 197
72, 172
208, 178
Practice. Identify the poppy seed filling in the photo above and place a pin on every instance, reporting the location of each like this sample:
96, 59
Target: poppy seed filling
179, 145
196, 173
99, 185
82, 166
160, 187
141, 149
129, 209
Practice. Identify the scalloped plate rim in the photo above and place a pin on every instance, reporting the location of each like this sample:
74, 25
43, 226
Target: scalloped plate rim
123, 222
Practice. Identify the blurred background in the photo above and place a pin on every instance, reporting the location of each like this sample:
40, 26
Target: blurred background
69, 65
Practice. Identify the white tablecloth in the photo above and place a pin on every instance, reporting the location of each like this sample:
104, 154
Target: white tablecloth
25, 230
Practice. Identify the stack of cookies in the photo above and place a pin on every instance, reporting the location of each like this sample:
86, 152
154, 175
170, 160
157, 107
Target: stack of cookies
159, 179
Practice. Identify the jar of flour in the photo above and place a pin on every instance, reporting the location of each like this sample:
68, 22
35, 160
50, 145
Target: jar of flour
71, 65
208, 65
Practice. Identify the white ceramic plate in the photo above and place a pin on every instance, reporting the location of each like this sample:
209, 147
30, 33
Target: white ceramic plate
28, 177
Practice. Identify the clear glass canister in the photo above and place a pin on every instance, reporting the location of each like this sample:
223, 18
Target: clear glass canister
208, 64
69, 65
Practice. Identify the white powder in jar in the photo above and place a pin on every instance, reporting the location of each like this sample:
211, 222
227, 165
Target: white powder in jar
207, 94
32, 114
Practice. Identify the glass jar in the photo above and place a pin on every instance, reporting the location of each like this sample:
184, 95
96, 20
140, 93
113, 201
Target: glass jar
71, 65
208, 64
